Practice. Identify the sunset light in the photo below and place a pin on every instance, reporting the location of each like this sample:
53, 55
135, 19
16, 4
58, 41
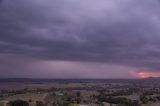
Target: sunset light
144, 74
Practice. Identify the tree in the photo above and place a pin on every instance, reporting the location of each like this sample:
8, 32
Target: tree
144, 99
18, 103
39, 103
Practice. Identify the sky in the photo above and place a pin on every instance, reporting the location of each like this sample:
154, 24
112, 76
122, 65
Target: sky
79, 38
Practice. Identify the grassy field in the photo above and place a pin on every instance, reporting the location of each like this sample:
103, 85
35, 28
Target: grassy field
28, 96
19, 86
152, 104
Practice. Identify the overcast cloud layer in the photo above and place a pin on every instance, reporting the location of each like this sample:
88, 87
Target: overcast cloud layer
108, 33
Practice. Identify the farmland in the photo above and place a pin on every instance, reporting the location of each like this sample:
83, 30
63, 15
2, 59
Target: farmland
82, 92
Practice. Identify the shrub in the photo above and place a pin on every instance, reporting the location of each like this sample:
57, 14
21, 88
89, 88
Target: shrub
18, 103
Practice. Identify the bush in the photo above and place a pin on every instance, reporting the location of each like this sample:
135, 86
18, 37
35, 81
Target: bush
39, 103
18, 103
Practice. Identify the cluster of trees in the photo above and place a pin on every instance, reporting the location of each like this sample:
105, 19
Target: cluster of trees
117, 93
122, 101
18, 103
70, 101
117, 100
23, 103
145, 99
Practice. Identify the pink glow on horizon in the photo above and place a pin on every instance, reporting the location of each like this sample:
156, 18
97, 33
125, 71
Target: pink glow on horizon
144, 74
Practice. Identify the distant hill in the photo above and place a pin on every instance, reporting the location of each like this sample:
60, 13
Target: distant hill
34, 80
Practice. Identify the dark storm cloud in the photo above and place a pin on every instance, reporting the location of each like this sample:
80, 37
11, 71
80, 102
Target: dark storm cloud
122, 32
